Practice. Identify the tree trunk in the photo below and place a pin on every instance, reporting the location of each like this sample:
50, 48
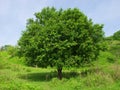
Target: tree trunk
59, 73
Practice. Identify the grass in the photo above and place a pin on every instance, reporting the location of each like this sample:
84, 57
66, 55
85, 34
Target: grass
103, 75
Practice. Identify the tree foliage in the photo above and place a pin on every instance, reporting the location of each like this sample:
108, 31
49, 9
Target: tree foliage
61, 38
11, 50
116, 35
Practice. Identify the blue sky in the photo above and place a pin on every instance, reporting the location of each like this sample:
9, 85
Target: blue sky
14, 13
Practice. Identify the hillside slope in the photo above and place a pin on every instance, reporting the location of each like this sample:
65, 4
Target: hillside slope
103, 75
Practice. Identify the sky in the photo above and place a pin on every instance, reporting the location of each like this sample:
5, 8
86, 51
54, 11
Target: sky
14, 14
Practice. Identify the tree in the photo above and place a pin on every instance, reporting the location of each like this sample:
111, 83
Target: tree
116, 35
61, 38
11, 50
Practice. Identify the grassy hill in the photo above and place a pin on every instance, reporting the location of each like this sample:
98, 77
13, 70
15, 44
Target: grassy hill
104, 74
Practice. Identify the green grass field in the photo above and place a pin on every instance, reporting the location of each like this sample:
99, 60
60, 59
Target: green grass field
103, 75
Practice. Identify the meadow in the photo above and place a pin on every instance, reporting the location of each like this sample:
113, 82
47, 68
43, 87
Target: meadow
103, 74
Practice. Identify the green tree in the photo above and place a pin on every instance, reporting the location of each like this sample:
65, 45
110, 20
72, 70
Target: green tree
116, 35
61, 38
11, 50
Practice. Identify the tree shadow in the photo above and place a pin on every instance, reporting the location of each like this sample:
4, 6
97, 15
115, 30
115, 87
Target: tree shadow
47, 76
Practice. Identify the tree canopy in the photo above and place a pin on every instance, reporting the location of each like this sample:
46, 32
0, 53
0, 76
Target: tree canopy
116, 35
61, 38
